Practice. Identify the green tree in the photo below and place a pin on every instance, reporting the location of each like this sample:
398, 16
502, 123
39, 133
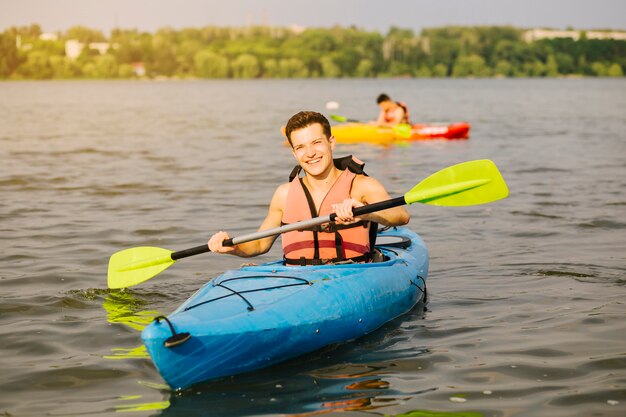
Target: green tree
347, 60
292, 68
401, 47
163, 60
423, 72
105, 66
63, 67
9, 56
586, 51
320, 40
371, 47
516, 53
246, 66
582, 67
615, 70
599, 69
552, 68
565, 63
84, 34
440, 70
270, 69
503, 68
132, 46
125, 71
31, 32
185, 54
444, 46
208, 64
37, 66
471, 65
89, 70
365, 69
329, 68
535, 68
399, 69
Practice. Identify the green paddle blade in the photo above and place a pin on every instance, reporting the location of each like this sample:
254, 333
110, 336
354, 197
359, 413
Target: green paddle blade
337, 118
403, 130
133, 266
466, 184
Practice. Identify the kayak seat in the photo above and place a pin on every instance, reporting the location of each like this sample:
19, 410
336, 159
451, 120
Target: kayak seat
390, 241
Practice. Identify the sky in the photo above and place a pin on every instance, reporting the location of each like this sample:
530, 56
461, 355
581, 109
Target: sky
374, 15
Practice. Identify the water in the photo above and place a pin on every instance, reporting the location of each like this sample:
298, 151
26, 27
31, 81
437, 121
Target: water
526, 312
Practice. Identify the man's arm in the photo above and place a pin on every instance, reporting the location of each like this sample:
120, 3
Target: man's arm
260, 246
380, 120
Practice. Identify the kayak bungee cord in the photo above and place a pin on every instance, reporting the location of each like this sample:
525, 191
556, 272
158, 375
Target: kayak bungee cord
239, 293
423, 291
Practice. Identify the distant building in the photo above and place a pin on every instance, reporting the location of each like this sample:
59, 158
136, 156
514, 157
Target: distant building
297, 29
73, 48
533, 35
138, 67
49, 37
101, 47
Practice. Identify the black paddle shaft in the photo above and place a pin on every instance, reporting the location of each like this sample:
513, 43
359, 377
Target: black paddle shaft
371, 208
303, 225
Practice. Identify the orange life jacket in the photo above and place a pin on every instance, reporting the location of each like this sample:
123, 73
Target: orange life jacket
405, 119
327, 243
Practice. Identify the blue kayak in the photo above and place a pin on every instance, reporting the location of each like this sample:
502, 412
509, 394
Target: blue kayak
257, 316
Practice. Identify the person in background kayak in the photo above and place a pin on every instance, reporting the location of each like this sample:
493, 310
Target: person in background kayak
328, 186
391, 112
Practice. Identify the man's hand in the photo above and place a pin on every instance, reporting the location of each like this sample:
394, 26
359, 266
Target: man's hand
215, 243
344, 213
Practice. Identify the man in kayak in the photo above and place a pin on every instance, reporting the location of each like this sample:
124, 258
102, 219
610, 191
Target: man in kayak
391, 112
328, 186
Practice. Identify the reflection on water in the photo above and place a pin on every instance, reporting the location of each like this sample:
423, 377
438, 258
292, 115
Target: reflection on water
122, 306
128, 353
158, 405
346, 377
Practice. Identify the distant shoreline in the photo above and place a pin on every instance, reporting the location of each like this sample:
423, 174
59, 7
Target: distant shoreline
298, 53
190, 79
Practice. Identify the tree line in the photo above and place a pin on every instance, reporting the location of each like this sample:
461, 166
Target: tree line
275, 52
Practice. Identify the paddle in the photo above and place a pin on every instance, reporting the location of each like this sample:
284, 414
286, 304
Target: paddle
466, 184
403, 130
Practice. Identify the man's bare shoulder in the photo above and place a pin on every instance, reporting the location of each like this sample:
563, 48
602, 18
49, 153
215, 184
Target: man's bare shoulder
280, 196
365, 182
282, 189
367, 189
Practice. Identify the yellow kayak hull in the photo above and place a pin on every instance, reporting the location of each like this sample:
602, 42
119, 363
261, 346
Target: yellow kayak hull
366, 133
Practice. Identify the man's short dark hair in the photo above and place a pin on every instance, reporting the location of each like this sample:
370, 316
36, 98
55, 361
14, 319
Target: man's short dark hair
382, 97
304, 119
